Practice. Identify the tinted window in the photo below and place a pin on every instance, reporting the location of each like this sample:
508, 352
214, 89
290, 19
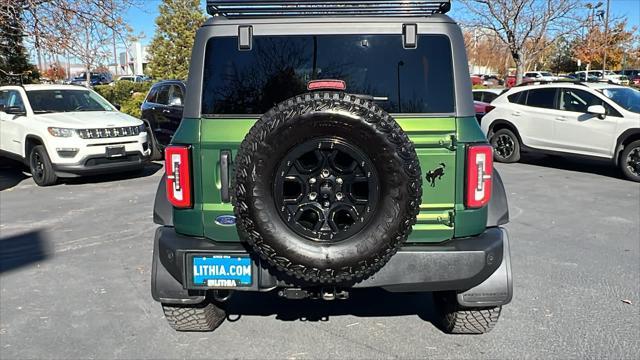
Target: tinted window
579, 101
518, 98
11, 98
477, 96
489, 97
163, 95
176, 95
542, 98
277, 68
153, 93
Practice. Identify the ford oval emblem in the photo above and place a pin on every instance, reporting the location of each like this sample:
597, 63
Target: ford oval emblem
226, 220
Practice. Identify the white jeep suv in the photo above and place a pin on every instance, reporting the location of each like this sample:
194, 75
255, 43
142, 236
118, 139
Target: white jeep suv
591, 119
67, 131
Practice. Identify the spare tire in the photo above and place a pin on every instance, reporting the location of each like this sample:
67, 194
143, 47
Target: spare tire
327, 187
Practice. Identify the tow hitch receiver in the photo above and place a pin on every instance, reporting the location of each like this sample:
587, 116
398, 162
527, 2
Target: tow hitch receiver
324, 294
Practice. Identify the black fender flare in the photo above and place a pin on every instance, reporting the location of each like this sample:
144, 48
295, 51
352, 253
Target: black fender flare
502, 122
635, 132
498, 208
26, 142
162, 209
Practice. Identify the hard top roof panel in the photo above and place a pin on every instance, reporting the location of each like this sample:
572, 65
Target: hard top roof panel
286, 8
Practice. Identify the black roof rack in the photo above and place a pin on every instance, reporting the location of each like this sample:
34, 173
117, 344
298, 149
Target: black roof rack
272, 8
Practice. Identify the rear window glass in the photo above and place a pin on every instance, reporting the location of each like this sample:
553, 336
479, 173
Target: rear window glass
542, 98
279, 67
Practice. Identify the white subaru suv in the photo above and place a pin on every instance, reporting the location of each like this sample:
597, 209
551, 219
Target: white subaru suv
68, 131
590, 119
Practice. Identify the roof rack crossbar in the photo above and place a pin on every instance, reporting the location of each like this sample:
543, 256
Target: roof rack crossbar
264, 8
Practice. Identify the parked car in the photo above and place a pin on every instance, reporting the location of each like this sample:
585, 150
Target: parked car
589, 119
132, 78
476, 79
632, 74
540, 76
297, 179
162, 113
482, 99
599, 75
95, 79
582, 76
68, 131
510, 81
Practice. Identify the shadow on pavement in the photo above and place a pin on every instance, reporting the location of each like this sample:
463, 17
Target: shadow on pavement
11, 173
573, 163
24, 249
361, 303
148, 170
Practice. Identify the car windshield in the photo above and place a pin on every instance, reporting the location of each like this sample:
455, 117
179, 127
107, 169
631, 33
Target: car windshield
628, 98
279, 67
52, 101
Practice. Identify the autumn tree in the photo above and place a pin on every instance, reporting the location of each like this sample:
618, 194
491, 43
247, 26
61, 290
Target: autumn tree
526, 27
591, 49
170, 50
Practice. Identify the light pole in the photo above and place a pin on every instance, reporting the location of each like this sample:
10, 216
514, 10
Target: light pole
593, 8
606, 39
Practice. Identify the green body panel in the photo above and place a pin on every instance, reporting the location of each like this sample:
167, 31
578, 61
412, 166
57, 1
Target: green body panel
437, 141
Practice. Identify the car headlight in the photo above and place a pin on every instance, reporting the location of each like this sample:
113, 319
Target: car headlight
142, 128
60, 132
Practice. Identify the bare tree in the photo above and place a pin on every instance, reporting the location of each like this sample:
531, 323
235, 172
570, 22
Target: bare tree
58, 26
527, 27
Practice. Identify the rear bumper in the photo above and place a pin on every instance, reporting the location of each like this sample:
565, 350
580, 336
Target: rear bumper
94, 165
477, 268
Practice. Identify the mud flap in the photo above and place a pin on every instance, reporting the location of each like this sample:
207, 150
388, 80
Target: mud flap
497, 290
165, 288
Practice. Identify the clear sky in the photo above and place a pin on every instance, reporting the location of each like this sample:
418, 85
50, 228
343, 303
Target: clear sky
142, 18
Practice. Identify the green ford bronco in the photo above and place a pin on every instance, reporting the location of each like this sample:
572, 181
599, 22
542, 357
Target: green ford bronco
325, 147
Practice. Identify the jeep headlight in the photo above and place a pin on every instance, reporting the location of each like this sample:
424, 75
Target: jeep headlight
142, 128
60, 132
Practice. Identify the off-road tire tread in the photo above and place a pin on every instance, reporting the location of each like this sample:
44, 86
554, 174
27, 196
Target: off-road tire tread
283, 114
470, 321
201, 317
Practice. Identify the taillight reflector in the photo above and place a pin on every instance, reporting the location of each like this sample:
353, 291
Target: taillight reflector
479, 175
488, 108
178, 170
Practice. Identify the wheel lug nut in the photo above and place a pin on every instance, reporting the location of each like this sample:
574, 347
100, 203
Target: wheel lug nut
339, 181
312, 181
339, 196
326, 204
313, 196
325, 173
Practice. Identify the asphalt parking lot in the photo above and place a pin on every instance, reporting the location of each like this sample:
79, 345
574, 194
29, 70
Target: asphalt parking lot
75, 261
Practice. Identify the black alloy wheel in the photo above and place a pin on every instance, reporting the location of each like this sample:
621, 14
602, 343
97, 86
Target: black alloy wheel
326, 189
506, 147
630, 161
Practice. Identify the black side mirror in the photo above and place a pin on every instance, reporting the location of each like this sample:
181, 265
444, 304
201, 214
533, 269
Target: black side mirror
117, 106
15, 110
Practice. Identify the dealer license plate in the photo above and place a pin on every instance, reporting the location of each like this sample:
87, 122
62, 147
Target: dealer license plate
115, 151
222, 271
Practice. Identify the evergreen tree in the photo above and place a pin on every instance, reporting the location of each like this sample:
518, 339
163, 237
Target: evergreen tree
13, 55
170, 50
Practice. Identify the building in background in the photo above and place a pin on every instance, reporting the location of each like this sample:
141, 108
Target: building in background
133, 61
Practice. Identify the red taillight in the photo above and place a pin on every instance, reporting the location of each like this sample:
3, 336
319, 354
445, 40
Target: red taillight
178, 170
326, 85
479, 175
488, 108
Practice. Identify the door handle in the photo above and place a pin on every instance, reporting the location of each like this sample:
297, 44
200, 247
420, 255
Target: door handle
516, 113
225, 164
166, 111
561, 118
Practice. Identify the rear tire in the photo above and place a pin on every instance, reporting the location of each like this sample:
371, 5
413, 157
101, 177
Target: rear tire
630, 161
206, 316
455, 319
506, 146
41, 168
156, 153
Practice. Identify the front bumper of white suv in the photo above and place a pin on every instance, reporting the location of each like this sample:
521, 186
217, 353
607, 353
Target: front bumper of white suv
75, 156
